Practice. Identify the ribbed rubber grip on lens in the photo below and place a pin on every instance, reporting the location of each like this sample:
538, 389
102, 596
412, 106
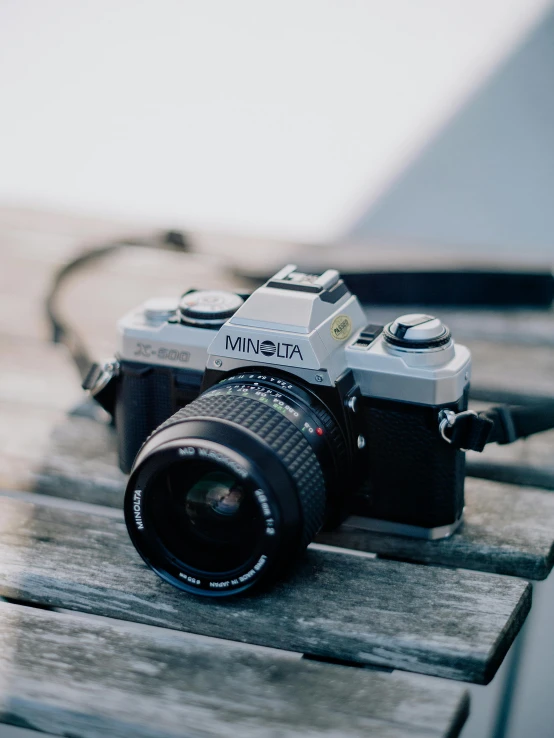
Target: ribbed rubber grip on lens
284, 438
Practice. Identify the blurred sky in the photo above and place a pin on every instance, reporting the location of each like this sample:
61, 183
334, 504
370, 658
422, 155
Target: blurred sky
286, 118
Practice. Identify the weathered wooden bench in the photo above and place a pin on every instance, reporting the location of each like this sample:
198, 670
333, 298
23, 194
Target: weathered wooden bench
93, 643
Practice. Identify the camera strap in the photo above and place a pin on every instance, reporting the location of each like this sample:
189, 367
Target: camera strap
471, 431
464, 288
62, 331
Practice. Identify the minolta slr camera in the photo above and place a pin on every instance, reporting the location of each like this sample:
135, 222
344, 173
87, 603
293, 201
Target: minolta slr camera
248, 423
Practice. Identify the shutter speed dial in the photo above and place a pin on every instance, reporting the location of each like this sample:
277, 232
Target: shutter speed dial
208, 308
417, 331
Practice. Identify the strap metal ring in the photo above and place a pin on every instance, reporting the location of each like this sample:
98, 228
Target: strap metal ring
110, 369
448, 418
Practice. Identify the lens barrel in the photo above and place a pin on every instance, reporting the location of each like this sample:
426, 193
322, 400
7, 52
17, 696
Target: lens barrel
230, 490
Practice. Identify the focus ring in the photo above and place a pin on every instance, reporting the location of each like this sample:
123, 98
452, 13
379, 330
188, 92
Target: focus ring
285, 440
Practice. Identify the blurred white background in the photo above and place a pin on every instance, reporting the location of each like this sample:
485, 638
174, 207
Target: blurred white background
288, 119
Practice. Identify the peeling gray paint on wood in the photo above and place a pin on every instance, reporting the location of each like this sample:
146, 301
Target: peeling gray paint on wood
150, 684
432, 620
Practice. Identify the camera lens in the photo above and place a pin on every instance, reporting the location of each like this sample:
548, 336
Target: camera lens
228, 492
204, 516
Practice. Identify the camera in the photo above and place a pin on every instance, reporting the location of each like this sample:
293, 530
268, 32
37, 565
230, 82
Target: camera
249, 422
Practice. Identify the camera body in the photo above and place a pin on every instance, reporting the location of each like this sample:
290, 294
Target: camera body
384, 387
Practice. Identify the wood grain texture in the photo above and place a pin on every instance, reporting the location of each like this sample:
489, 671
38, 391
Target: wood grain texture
507, 530
52, 680
513, 368
436, 621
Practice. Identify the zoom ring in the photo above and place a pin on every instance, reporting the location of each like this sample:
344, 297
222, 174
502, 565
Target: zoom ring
287, 442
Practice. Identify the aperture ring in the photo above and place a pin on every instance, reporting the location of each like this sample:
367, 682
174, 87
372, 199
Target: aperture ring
304, 409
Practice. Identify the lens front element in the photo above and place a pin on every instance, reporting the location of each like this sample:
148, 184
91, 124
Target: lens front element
215, 492
206, 517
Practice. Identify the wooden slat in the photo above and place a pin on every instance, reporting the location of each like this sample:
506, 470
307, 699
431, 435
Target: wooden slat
37, 373
151, 684
436, 621
513, 368
507, 530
